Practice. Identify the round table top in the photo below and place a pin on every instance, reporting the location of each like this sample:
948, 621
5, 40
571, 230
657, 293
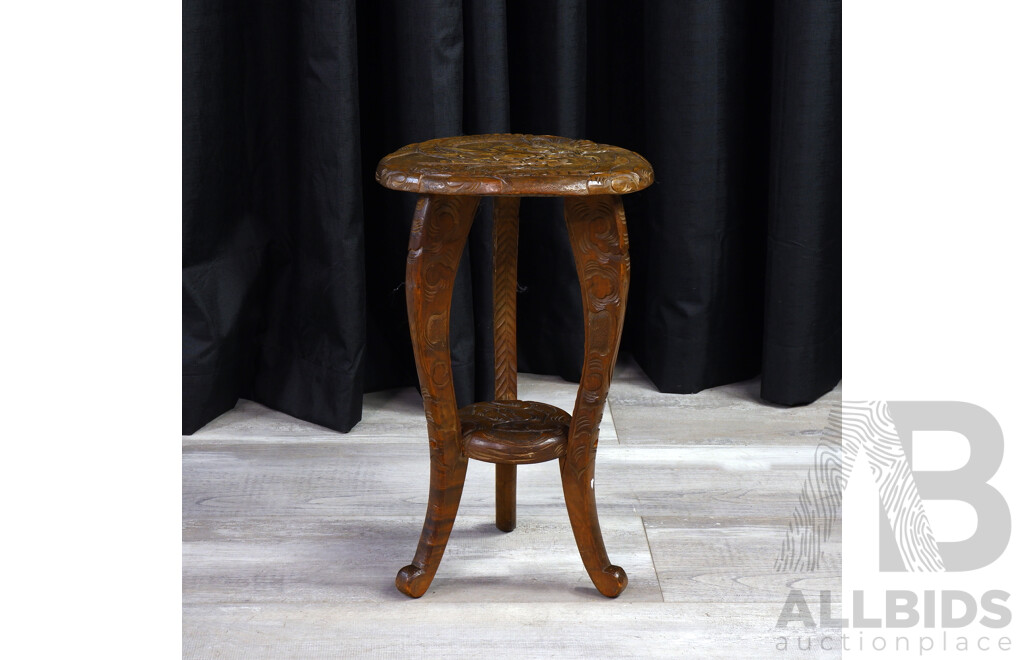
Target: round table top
511, 164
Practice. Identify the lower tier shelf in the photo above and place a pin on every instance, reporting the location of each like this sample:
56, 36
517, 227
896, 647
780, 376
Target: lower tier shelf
514, 432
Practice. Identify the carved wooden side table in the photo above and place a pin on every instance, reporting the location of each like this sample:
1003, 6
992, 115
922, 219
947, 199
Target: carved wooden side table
450, 175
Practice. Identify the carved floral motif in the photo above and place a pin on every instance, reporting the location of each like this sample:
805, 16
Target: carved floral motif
512, 164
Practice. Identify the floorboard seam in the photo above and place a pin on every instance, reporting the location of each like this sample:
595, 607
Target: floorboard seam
650, 551
611, 418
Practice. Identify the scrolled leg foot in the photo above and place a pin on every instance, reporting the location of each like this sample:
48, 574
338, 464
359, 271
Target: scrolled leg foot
616, 582
413, 581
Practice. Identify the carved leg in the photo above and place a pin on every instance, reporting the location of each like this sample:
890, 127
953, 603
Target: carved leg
439, 231
505, 261
597, 231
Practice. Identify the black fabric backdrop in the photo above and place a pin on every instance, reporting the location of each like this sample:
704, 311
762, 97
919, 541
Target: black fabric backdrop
293, 257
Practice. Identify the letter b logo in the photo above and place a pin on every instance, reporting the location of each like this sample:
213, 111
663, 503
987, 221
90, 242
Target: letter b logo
967, 484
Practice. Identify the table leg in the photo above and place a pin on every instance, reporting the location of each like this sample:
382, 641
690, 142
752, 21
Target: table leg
439, 231
505, 269
597, 232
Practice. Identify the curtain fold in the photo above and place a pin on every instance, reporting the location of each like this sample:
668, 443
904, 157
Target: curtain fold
803, 280
294, 257
697, 319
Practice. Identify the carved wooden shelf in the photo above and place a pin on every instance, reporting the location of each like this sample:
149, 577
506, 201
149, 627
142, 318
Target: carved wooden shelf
514, 432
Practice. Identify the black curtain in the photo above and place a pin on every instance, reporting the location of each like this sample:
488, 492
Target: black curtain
293, 257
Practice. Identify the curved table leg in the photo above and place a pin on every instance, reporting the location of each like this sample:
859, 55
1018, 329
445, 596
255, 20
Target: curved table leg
439, 231
505, 262
597, 231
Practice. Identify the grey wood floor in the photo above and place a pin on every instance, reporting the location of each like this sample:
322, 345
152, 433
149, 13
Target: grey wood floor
292, 534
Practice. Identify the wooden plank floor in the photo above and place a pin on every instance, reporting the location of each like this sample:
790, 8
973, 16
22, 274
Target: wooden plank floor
292, 534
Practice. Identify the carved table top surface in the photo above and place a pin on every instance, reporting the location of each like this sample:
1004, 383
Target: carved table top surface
511, 164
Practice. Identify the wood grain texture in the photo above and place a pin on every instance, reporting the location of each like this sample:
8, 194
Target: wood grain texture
729, 559
439, 230
597, 232
291, 537
505, 270
521, 165
756, 484
728, 415
261, 560
727, 631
